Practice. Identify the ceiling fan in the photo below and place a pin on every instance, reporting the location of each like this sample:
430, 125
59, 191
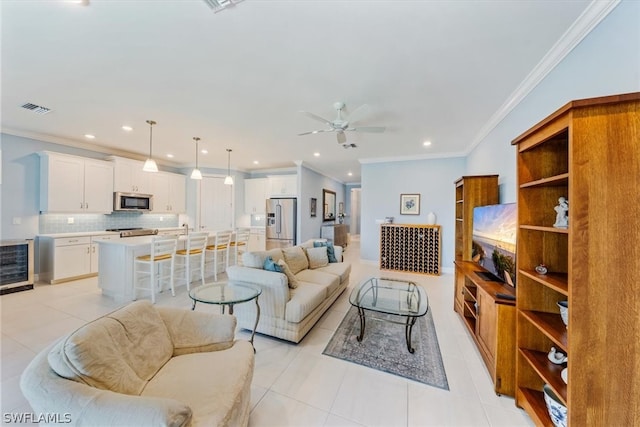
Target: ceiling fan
341, 125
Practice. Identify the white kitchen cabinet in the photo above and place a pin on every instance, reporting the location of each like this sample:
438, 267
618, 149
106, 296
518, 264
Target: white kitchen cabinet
75, 184
168, 191
129, 177
257, 240
283, 186
255, 195
69, 258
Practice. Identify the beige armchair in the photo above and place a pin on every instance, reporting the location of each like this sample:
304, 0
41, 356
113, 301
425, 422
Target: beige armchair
145, 366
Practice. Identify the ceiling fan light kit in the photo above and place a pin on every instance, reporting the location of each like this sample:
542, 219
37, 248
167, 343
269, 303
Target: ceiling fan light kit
150, 164
220, 5
341, 125
196, 174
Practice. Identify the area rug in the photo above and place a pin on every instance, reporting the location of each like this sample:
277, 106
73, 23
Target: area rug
384, 347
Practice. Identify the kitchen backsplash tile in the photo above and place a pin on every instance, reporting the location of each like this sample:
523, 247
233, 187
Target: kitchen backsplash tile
59, 223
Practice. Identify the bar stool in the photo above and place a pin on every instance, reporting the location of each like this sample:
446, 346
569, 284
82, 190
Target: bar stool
153, 266
218, 253
191, 259
238, 245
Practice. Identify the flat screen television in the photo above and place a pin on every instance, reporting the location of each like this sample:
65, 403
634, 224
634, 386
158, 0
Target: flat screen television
494, 240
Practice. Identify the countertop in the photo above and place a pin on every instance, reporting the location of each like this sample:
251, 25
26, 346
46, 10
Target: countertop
79, 234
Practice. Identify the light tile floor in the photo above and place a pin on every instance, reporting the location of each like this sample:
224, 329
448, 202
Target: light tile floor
293, 385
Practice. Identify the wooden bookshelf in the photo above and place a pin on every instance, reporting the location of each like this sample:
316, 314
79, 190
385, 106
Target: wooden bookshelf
589, 152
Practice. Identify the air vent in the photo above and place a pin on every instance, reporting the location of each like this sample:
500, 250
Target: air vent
36, 108
218, 5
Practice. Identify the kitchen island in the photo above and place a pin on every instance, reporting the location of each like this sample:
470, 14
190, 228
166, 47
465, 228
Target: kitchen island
116, 258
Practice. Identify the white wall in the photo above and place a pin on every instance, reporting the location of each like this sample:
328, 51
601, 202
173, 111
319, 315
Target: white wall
311, 185
382, 184
606, 62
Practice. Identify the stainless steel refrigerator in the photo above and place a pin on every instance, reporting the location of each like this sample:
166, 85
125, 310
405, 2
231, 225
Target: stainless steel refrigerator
281, 223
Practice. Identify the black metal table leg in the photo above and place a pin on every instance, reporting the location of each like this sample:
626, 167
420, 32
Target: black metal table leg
255, 326
362, 324
408, 329
193, 306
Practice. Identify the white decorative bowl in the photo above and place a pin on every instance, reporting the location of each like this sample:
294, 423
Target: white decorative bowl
564, 311
557, 411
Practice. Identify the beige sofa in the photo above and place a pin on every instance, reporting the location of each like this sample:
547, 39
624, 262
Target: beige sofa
288, 311
145, 366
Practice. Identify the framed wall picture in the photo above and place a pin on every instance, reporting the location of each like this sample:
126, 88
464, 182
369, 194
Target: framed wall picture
410, 204
313, 206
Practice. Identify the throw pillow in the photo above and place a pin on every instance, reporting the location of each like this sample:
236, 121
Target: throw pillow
293, 281
331, 253
253, 259
295, 258
270, 265
317, 257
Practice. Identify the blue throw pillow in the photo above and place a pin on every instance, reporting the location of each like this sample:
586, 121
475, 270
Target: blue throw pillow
270, 265
331, 252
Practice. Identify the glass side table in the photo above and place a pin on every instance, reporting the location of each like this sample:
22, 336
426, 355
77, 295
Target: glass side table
225, 294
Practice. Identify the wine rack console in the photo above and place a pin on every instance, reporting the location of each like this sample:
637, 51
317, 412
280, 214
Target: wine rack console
413, 248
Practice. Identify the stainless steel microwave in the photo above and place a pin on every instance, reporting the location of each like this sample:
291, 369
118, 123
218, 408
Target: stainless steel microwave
132, 202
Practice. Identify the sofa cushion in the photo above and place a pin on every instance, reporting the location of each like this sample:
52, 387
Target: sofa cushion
295, 258
304, 299
218, 399
327, 280
341, 269
331, 253
317, 257
292, 280
270, 265
119, 352
256, 259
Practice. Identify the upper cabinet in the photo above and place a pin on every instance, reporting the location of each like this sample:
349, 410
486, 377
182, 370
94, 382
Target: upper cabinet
283, 186
255, 194
129, 176
168, 190
75, 184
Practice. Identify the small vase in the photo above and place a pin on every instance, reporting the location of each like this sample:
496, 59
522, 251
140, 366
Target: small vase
431, 218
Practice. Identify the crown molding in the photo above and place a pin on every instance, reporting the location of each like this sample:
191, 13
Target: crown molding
85, 146
411, 158
595, 12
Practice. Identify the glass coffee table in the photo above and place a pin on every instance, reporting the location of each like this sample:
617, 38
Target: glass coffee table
225, 294
390, 296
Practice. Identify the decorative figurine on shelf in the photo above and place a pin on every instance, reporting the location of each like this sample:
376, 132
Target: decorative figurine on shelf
341, 217
541, 269
562, 213
556, 357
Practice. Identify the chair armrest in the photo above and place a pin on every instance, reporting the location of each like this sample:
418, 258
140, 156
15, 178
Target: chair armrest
80, 404
196, 332
275, 287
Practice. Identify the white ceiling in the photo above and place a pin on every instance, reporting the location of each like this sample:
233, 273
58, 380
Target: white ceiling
429, 70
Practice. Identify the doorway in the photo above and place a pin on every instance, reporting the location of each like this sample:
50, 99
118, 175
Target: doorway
354, 226
216, 204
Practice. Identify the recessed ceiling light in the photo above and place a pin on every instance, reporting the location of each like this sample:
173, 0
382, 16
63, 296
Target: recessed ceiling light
255, 162
316, 154
89, 136
426, 143
204, 151
127, 128
170, 156
350, 174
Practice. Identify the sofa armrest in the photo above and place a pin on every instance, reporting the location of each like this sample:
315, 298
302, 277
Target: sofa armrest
80, 404
195, 331
275, 287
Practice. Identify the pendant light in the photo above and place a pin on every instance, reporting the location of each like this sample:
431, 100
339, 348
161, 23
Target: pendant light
196, 172
150, 164
228, 180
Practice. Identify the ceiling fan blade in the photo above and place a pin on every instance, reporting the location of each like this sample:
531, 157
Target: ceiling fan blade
373, 129
359, 112
342, 138
316, 131
316, 117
